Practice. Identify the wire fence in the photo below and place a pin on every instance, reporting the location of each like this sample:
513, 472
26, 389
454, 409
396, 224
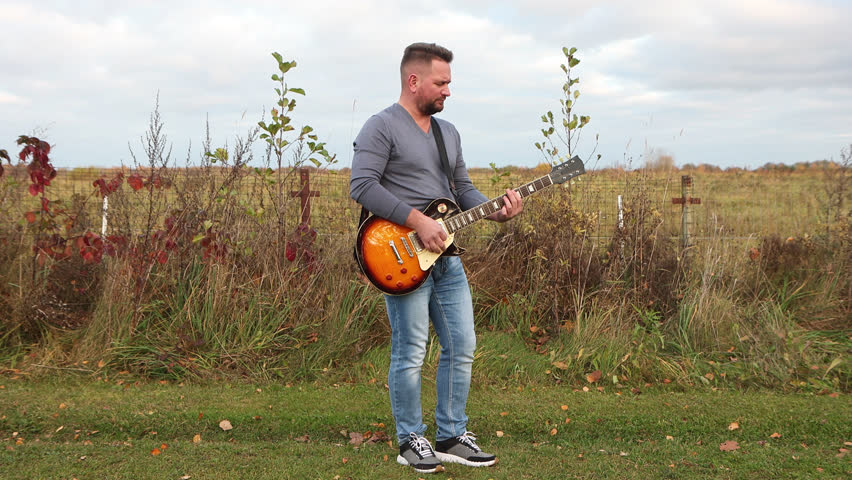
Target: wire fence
691, 205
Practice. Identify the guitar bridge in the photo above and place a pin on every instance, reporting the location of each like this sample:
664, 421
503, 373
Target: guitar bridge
395, 252
415, 241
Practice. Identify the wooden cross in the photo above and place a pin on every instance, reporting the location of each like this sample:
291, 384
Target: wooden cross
685, 199
305, 194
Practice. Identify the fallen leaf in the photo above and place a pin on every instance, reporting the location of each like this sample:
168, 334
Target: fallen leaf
554, 432
669, 437
500, 433
186, 477
345, 459
356, 438
225, 425
561, 365
156, 452
734, 426
196, 439
564, 407
62, 406
775, 435
594, 376
303, 439
567, 420
503, 414
729, 446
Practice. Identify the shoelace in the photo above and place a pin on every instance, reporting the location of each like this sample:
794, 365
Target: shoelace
469, 439
421, 446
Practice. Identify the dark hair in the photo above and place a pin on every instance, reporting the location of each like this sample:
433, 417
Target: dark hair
424, 52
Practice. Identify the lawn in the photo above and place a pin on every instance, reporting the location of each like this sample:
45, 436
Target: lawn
118, 427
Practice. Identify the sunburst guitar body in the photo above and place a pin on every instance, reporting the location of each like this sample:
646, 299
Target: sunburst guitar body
392, 256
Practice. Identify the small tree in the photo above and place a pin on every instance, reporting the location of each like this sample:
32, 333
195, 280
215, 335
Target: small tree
567, 131
306, 146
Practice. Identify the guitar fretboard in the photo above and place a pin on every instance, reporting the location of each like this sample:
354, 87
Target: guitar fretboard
469, 217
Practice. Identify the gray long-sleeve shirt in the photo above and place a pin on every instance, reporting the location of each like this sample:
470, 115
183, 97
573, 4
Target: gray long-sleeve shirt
397, 166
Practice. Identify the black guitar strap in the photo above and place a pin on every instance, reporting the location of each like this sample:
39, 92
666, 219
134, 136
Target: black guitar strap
442, 151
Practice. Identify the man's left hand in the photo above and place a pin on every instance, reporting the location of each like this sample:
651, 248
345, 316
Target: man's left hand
513, 204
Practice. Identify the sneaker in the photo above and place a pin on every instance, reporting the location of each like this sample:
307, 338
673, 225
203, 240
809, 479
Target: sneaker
418, 453
464, 450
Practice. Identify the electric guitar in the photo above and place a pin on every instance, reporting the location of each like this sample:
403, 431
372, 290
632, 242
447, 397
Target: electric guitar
392, 256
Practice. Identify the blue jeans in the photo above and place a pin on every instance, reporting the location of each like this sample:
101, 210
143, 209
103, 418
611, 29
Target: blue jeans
445, 299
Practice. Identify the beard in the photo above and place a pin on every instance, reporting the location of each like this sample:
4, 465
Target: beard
431, 107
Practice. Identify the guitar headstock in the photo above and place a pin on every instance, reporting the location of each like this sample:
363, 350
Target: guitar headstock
567, 170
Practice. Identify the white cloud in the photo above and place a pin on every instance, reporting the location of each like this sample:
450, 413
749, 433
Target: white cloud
9, 99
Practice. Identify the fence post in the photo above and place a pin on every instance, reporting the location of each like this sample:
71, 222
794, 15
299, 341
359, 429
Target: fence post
621, 226
104, 221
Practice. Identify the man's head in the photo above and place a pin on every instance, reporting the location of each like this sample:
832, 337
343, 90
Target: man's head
425, 75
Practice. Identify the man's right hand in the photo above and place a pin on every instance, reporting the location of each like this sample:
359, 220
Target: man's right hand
431, 233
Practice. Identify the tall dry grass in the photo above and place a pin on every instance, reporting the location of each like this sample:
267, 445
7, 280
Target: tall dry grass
552, 298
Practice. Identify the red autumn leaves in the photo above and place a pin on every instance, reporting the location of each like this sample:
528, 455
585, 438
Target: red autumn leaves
40, 170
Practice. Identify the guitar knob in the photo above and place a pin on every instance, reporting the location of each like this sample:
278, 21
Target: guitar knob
403, 271
414, 278
389, 277
399, 284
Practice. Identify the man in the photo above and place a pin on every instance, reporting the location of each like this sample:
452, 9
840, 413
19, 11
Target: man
396, 172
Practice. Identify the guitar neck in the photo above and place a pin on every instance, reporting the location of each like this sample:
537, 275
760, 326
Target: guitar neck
467, 218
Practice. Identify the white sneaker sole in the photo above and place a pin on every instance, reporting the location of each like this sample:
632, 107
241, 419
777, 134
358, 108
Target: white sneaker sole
402, 461
450, 458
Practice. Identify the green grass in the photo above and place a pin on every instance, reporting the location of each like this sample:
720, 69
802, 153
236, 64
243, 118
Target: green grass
108, 428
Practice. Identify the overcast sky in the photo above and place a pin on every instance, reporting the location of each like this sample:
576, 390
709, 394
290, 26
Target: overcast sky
729, 83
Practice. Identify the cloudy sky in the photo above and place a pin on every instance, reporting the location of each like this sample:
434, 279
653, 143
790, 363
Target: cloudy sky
729, 83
